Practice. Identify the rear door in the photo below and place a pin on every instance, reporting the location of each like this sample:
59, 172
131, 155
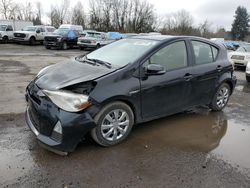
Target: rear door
167, 93
207, 69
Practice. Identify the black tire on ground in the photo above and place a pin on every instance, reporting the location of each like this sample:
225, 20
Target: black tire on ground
32, 41
219, 97
248, 78
5, 39
97, 132
98, 46
82, 48
47, 47
64, 46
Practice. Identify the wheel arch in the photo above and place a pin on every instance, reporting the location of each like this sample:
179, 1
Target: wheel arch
125, 100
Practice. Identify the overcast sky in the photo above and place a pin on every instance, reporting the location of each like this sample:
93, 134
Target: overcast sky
218, 12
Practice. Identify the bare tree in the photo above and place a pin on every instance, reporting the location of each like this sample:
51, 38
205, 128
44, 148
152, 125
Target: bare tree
5, 8
78, 15
58, 14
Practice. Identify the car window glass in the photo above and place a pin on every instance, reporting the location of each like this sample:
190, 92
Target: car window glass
171, 57
215, 52
203, 52
9, 28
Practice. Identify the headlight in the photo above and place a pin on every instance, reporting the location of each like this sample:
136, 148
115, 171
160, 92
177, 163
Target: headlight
0, 35
68, 101
59, 39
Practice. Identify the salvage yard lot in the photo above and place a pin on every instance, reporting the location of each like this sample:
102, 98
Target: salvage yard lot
193, 149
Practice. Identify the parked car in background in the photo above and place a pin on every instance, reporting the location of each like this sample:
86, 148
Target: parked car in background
93, 39
248, 71
130, 81
241, 56
33, 34
7, 28
114, 35
128, 35
63, 38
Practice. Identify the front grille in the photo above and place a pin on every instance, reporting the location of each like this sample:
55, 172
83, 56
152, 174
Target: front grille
39, 107
50, 39
238, 57
19, 35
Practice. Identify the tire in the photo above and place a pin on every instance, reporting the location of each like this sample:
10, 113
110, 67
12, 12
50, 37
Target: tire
47, 47
64, 46
248, 78
109, 128
82, 48
221, 97
32, 40
98, 46
5, 39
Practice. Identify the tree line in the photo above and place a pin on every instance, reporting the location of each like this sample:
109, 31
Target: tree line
128, 16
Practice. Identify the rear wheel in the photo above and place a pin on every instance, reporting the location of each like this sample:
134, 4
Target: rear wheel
47, 47
114, 123
248, 78
221, 97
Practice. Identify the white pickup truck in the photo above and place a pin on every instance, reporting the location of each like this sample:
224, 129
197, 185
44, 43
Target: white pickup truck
33, 34
7, 28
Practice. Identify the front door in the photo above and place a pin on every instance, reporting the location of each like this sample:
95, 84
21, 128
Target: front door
167, 93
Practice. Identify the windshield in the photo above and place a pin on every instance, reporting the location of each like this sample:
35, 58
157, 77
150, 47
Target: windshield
62, 32
30, 28
3, 27
122, 52
244, 49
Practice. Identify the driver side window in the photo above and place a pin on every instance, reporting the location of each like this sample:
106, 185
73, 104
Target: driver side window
171, 57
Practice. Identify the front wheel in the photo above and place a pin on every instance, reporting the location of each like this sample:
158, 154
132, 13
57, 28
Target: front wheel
114, 123
221, 97
64, 45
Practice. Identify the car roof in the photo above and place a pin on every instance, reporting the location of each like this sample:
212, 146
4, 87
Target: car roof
164, 38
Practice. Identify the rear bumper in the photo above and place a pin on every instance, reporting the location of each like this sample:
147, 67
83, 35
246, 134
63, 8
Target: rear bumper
74, 125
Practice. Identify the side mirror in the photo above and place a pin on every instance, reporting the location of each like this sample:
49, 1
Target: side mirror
38, 31
155, 69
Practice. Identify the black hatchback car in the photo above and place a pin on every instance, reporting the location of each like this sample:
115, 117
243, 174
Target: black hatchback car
130, 81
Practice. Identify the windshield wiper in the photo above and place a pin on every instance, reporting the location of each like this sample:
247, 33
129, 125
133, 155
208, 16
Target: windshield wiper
84, 58
107, 64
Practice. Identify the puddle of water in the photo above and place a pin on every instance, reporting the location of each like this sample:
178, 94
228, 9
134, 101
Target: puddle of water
208, 132
235, 145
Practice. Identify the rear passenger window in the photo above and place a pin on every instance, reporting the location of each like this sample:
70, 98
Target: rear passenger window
204, 53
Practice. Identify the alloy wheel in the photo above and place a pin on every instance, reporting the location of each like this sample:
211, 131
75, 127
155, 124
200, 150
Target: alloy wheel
115, 125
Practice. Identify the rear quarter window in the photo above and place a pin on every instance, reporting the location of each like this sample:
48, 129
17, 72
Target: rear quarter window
204, 53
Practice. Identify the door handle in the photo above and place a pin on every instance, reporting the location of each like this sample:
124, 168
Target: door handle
219, 68
188, 76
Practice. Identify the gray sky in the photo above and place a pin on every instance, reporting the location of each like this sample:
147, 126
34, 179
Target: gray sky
217, 12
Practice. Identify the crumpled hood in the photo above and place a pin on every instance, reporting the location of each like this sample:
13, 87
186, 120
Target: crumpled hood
65, 74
